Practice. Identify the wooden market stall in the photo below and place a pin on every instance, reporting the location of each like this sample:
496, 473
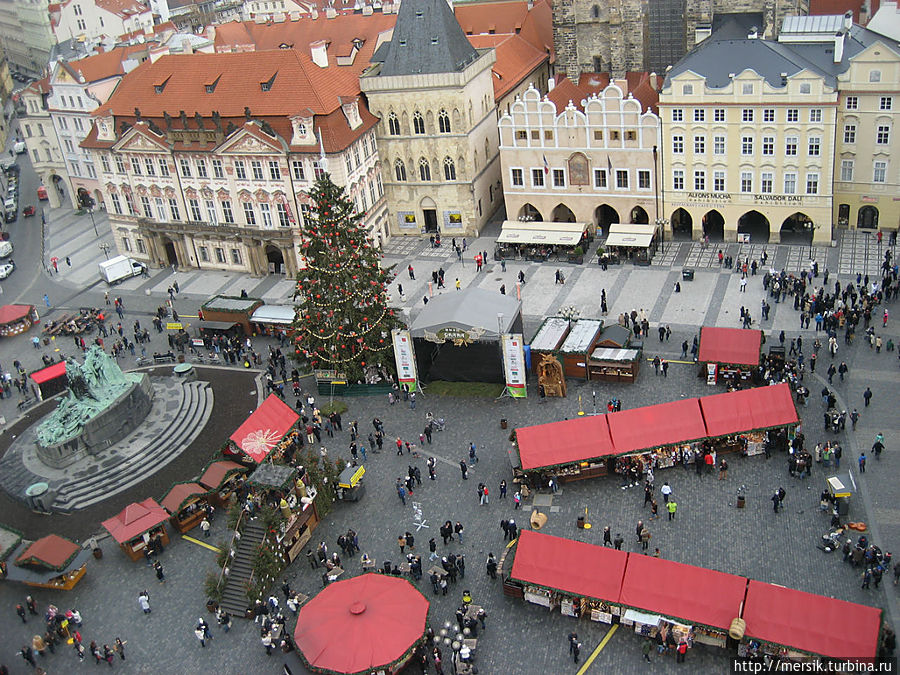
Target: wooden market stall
540, 240
573, 449
16, 319
265, 429
632, 241
614, 365
272, 319
136, 525
230, 310
186, 502
578, 345
730, 354
296, 495
614, 336
547, 340
52, 562
51, 380
222, 478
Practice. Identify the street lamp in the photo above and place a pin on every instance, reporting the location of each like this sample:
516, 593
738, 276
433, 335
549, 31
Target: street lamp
813, 227
662, 224
105, 248
90, 211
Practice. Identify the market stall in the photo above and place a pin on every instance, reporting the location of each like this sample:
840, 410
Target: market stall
578, 346
572, 449
540, 240
614, 336
272, 319
52, 562
614, 365
631, 241
292, 489
547, 340
790, 623
365, 624
730, 354
265, 429
741, 421
221, 478
580, 579
51, 380
136, 525
16, 319
186, 502
231, 310
350, 483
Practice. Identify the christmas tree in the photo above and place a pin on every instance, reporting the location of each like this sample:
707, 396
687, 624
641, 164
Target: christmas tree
343, 321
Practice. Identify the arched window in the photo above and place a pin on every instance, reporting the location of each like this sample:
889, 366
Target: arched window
595, 12
444, 122
393, 125
418, 123
449, 169
424, 169
400, 170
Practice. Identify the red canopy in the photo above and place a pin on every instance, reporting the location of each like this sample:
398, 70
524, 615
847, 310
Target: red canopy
13, 313
49, 373
732, 346
135, 520
51, 551
179, 494
657, 425
216, 473
571, 566
685, 592
811, 623
748, 409
265, 428
361, 625
563, 442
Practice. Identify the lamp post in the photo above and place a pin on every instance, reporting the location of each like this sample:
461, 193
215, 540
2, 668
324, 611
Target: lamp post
813, 227
90, 211
662, 224
105, 248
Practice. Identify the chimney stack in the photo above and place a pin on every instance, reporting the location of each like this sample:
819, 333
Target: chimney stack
838, 46
319, 52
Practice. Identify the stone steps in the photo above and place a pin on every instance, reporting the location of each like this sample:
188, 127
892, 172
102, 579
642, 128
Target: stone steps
193, 412
234, 595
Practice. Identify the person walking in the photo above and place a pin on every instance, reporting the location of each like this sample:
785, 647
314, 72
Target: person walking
646, 648
464, 468
20, 610
159, 572
144, 601
645, 539
576, 651
862, 463
120, 648
723, 470
491, 566
867, 396
671, 507
618, 541
204, 527
666, 491
200, 635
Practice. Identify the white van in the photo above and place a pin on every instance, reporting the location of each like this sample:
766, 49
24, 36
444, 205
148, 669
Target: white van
6, 249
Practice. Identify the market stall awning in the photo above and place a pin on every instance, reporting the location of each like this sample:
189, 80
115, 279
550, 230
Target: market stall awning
217, 472
49, 373
731, 346
616, 355
657, 425
564, 442
629, 239
280, 315
474, 310
692, 594
135, 519
570, 566
748, 410
51, 552
541, 232
811, 623
180, 493
13, 313
361, 625
551, 334
582, 336
265, 428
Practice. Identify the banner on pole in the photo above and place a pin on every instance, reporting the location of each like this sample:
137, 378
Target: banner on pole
514, 364
405, 358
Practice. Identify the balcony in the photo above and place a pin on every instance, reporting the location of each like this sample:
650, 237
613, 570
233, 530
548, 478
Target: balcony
283, 235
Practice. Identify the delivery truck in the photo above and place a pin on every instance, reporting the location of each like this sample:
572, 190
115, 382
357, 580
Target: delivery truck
121, 267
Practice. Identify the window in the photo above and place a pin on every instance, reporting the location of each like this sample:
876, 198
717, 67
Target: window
719, 115
879, 172
812, 183
678, 145
677, 115
622, 179
847, 169
424, 170
522, 135
75, 168
699, 115
699, 180
719, 145
120, 165
883, 135
450, 169
126, 242
163, 167
849, 133
418, 123
90, 170
297, 169
746, 89
151, 168
135, 162
220, 255
145, 207
814, 146
318, 169
256, 167
355, 159
815, 115
266, 212
559, 178
161, 209
236, 256
687, 90
104, 162
283, 220
218, 171
600, 178
630, 136
240, 171
211, 215
537, 178
79, 126
348, 160
185, 165
393, 125
718, 181
194, 208
227, 212
746, 181
793, 115
874, 76
444, 122
768, 145
400, 170
117, 205
249, 213
678, 179
886, 103
140, 246
747, 145
63, 124
765, 184
790, 145
643, 179
173, 209
851, 103
747, 115
699, 144
203, 251
790, 183
769, 115
548, 135
805, 88
517, 178
201, 168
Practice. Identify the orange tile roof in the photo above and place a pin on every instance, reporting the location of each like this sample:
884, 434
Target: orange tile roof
103, 65
122, 8
639, 85
516, 59
538, 28
491, 17
565, 91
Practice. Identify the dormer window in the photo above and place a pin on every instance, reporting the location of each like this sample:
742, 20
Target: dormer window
158, 87
267, 85
211, 86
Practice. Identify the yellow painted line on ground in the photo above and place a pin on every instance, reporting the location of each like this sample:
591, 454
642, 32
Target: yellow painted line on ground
587, 664
690, 363
191, 316
200, 543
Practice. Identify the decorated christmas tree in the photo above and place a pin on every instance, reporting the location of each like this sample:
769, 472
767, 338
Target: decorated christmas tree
343, 321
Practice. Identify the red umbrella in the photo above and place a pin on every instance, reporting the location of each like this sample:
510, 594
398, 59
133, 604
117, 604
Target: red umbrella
361, 624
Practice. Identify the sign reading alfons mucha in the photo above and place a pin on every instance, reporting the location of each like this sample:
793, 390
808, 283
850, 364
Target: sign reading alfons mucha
459, 336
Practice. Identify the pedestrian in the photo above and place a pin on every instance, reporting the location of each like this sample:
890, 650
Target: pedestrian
654, 510
120, 648
682, 651
576, 651
32, 605
108, 655
854, 418
491, 566
618, 541
517, 500
666, 491
503, 489
46, 300
159, 572
862, 463
464, 468
645, 539
647, 647
401, 493
671, 507
144, 601
723, 470
867, 396
607, 536
204, 527
20, 610
458, 530
28, 655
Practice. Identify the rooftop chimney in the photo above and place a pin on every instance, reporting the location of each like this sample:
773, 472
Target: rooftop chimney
319, 53
848, 20
551, 82
838, 46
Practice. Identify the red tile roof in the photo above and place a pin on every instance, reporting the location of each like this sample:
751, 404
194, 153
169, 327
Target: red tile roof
104, 65
491, 17
122, 8
516, 59
639, 85
52, 551
565, 91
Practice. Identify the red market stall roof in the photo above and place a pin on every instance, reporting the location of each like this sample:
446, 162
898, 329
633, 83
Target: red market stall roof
749, 409
179, 494
53, 552
731, 346
135, 519
49, 373
811, 623
361, 625
570, 566
216, 473
657, 425
692, 594
265, 428
564, 442
13, 313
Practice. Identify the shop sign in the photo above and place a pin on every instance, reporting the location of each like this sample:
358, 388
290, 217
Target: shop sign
711, 372
174, 326
329, 376
405, 358
777, 199
870, 200
460, 336
514, 364
709, 196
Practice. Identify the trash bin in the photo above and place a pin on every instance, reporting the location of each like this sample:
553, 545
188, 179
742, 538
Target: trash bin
741, 501
580, 522
503, 423
687, 274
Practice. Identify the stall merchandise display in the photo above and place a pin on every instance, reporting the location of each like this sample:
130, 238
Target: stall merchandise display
537, 595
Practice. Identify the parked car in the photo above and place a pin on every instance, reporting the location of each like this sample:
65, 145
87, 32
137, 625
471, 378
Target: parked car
42, 193
28, 211
19, 147
6, 269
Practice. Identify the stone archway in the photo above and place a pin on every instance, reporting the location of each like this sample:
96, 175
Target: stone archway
714, 225
171, 251
797, 228
756, 225
275, 259
682, 225
639, 216
529, 212
563, 214
867, 218
605, 215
